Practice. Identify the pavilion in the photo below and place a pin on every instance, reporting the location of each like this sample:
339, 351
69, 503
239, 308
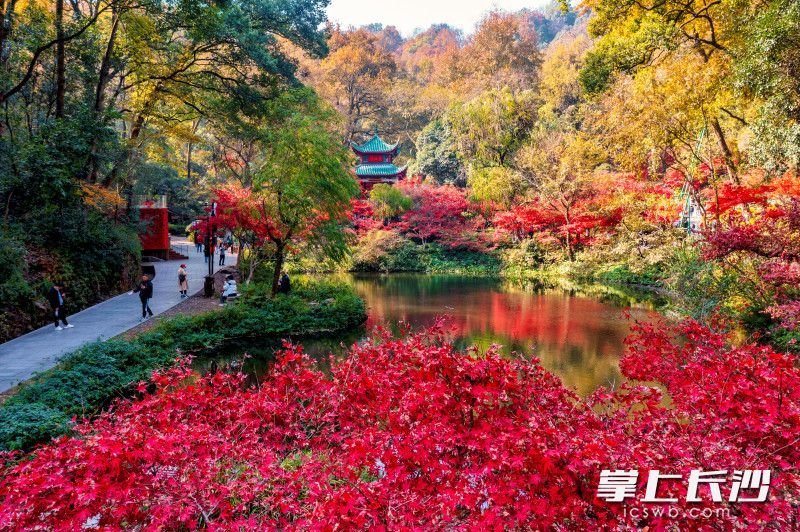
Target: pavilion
376, 162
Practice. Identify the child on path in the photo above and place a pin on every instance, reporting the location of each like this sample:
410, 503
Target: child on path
56, 299
145, 290
183, 281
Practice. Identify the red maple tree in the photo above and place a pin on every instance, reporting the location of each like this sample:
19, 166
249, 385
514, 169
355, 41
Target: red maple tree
761, 222
247, 217
443, 214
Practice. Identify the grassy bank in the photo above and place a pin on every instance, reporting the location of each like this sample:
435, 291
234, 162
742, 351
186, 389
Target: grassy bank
390, 254
87, 380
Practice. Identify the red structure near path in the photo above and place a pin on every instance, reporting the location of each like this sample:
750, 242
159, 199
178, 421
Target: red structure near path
155, 238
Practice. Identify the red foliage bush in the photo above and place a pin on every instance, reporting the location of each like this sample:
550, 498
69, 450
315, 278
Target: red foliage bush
763, 224
407, 433
443, 214
586, 224
362, 216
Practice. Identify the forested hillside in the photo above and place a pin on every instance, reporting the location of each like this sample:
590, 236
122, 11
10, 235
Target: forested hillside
654, 143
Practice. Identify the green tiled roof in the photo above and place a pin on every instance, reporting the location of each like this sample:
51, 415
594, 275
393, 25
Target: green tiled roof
383, 169
375, 145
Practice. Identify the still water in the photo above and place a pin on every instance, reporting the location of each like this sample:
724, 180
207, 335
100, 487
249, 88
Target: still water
577, 332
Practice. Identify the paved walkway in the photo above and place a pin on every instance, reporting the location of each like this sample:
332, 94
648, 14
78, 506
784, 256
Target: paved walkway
41, 349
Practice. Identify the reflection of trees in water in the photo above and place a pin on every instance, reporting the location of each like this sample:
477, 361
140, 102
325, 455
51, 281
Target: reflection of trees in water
255, 358
576, 332
579, 337
580, 367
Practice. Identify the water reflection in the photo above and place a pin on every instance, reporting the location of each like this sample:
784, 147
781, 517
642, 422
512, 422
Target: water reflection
576, 335
577, 332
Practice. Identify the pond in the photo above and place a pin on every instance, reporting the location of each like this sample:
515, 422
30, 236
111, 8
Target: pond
576, 331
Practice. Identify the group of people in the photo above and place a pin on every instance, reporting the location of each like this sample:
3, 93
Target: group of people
144, 288
228, 288
222, 245
56, 297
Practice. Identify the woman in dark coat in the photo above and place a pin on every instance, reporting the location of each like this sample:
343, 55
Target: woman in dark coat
56, 299
145, 290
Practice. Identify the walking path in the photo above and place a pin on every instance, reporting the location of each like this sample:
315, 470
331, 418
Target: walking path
41, 349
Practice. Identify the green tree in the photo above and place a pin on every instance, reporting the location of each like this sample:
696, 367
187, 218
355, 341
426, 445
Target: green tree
304, 184
767, 69
389, 202
497, 184
489, 129
437, 156
104, 99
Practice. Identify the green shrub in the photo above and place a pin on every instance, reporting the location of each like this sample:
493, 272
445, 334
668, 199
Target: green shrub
526, 256
438, 259
785, 340
622, 274
86, 380
23, 426
94, 259
701, 288
177, 229
386, 251
388, 201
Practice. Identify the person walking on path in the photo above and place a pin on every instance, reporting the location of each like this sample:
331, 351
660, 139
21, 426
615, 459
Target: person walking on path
222, 255
284, 284
145, 290
198, 242
56, 299
183, 281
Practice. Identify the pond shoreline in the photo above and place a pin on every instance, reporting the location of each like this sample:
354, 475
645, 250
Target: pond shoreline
577, 328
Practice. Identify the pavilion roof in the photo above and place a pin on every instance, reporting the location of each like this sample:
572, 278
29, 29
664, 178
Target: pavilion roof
382, 169
374, 145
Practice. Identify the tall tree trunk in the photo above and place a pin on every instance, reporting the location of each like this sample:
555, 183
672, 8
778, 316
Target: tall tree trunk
6, 25
99, 96
570, 250
195, 126
189, 163
276, 274
136, 128
133, 154
730, 164
105, 65
61, 79
251, 268
733, 174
